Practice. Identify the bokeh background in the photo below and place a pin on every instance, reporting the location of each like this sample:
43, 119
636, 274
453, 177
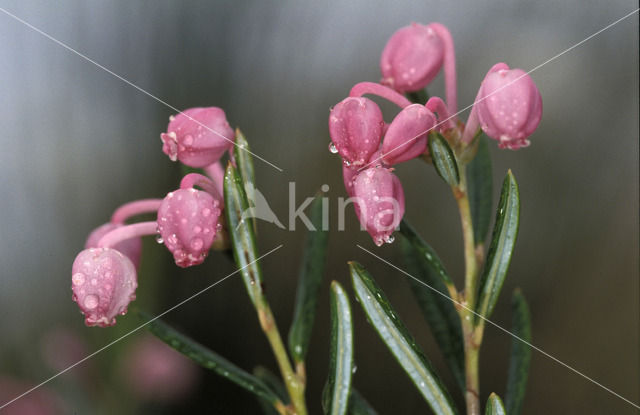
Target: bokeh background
78, 142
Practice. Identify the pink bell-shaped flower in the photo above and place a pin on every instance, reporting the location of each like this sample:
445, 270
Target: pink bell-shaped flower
198, 137
355, 126
104, 282
379, 202
406, 137
188, 220
411, 58
509, 106
132, 248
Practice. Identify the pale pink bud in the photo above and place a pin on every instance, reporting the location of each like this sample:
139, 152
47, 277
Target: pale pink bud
188, 220
155, 372
406, 137
411, 58
379, 202
104, 282
355, 126
198, 136
132, 247
509, 106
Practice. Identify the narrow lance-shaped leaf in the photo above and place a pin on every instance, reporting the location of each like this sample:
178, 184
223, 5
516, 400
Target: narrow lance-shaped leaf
503, 240
495, 406
243, 241
520, 354
338, 387
209, 359
309, 281
275, 385
443, 158
480, 190
244, 161
358, 405
397, 338
426, 253
438, 310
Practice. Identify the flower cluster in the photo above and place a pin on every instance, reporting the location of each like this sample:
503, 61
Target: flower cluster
508, 108
104, 275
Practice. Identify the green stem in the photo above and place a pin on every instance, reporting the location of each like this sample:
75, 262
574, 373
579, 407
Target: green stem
294, 384
472, 341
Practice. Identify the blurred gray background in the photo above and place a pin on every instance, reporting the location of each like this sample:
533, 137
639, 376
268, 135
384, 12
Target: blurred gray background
78, 142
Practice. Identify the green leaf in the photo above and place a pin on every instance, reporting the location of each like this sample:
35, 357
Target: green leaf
427, 254
309, 281
443, 158
243, 242
503, 240
495, 406
438, 310
480, 190
418, 97
397, 338
244, 161
338, 387
358, 405
275, 385
520, 354
209, 359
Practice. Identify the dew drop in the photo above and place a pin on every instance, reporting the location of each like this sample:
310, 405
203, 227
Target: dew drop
196, 244
197, 229
159, 239
389, 239
77, 278
206, 212
188, 140
91, 301
332, 148
94, 281
354, 369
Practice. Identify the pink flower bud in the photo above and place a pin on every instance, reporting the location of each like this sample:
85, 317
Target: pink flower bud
379, 202
509, 106
198, 136
406, 137
355, 126
132, 248
157, 373
411, 58
188, 220
104, 282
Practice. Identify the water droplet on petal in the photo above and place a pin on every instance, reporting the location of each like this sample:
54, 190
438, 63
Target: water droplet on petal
159, 239
332, 148
196, 244
389, 239
91, 301
206, 212
77, 278
197, 229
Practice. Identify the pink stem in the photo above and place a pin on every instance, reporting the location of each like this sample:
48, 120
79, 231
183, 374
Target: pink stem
449, 66
216, 172
127, 210
380, 90
436, 104
472, 127
127, 232
196, 179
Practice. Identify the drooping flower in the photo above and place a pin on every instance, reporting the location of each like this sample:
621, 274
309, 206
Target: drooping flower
188, 220
406, 137
411, 58
132, 248
379, 202
104, 282
355, 127
508, 106
198, 137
